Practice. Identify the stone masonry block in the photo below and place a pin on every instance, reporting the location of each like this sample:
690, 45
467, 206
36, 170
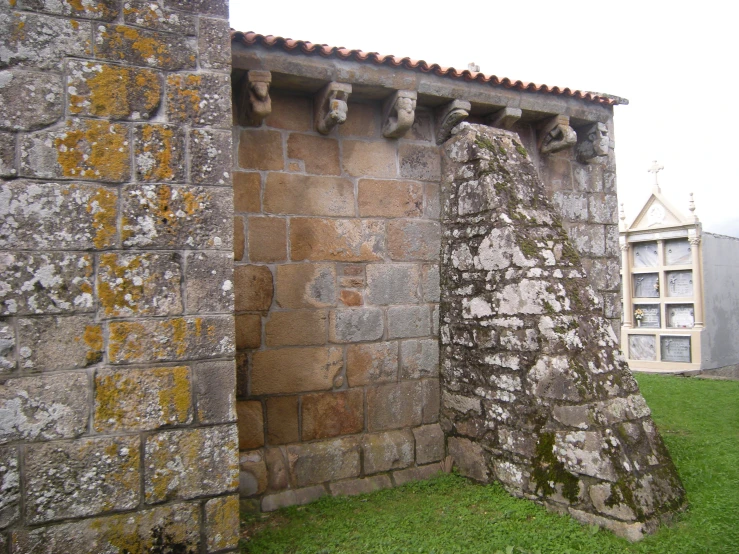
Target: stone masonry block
429, 443
318, 462
368, 364
222, 523
430, 283
215, 386
419, 162
143, 47
248, 331
252, 473
166, 216
82, 149
29, 100
57, 216
151, 15
267, 239
390, 198
388, 450
277, 468
210, 454
422, 128
431, 400
202, 99
356, 325
81, 478
10, 486
112, 91
341, 240
291, 112
572, 206
306, 286
392, 283
320, 154
408, 321
250, 423
293, 370
603, 273
105, 10
612, 248
469, 458
159, 153
395, 405
297, 328
52, 343
282, 420
7, 348
370, 159
7, 155
209, 282
432, 210
247, 191
419, 358
215, 8
44, 407
142, 399
239, 238
42, 41
360, 486
588, 177
414, 240
261, 149
289, 193
588, 239
139, 284
329, 414
140, 532
214, 44
603, 208
296, 497
46, 283
411, 474
253, 287
163, 340
363, 121
210, 157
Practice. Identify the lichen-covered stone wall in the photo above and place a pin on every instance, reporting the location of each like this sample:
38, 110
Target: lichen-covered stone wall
535, 392
117, 402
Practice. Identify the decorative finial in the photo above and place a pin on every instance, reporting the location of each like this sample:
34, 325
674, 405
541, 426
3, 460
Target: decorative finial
473, 67
691, 207
656, 168
621, 214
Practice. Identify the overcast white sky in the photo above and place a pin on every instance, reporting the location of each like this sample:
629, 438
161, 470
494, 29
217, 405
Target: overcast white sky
675, 62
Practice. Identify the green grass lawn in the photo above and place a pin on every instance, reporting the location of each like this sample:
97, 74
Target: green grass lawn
699, 421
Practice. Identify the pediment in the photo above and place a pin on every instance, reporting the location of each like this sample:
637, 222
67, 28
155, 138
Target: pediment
658, 213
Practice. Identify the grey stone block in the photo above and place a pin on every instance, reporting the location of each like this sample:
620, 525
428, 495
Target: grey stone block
408, 321
356, 325
215, 383
386, 451
29, 100
209, 282
210, 157
323, 461
419, 358
51, 343
429, 443
298, 497
392, 283
10, 486
361, 486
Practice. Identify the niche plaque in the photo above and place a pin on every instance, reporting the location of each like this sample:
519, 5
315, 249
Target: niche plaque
677, 252
646, 285
679, 283
642, 347
649, 315
680, 316
675, 349
645, 254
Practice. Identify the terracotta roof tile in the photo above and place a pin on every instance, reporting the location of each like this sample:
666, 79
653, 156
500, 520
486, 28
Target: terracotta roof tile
311, 49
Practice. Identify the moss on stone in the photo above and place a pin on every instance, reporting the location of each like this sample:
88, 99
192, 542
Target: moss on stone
548, 471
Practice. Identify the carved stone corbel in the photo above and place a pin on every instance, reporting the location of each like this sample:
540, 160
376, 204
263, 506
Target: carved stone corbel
593, 142
449, 115
556, 134
255, 102
505, 118
398, 113
330, 106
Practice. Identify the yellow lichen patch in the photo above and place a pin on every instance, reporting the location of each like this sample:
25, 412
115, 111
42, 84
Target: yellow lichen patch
222, 521
148, 83
118, 293
150, 49
75, 24
103, 208
158, 143
93, 338
96, 149
184, 94
119, 345
175, 399
179, 335
111, 395
109, 90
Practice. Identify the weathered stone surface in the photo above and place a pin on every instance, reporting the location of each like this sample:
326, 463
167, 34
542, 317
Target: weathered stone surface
468, 457
289, 193
360, 486
142, 399
214, 43
342, 240
252, 473
216, 8
332, 413
41, 41
151, 15
10, 480
112, 91
82, 149
7, 155
413, 240
430, 283
395, 405
318, 462
429, 443
57, 216
292, 112
247, 190
369, 159
159, 153
419, 358
7, 348
351, 298
267, 239
81, 478
319, 154
295, 370
239, 238
419, 162
261, 149
52, 343
209, 282
163, 340
139, 284
251, 424
277, 468
222, 523
408, 321
210, 454
306, 286
178, 524
253, 287
166, 216
142, 47
392, 283
199, 99
29, 100
367, 364
432, 210
572, 205
390, 198
106, 10
588, 239
44, 407
210, 157
420, 473
248, 331
296, 497
602, 495
355, 325
297, 328
215, 386
386, 451
282, 419
363, 121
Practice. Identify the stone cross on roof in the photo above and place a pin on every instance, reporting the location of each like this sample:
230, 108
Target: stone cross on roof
656, 168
